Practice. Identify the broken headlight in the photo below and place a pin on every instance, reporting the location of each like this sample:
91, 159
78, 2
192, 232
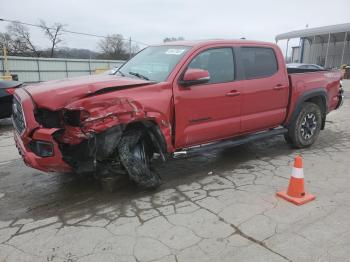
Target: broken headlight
41, 148
47, 118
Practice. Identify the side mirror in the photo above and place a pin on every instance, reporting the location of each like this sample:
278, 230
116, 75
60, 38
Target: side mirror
195, 76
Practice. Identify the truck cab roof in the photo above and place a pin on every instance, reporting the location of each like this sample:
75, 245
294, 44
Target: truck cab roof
202, 43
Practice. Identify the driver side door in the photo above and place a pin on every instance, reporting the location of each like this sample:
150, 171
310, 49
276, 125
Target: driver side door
210, 111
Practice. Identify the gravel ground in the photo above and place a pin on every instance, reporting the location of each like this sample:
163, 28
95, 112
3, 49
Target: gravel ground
217, 206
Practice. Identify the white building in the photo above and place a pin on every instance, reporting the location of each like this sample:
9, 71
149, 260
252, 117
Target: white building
328, 46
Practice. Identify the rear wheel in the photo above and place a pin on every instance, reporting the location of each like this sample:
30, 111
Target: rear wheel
304, 131
135, 152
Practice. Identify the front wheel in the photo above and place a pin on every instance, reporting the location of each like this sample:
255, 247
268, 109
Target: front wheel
135, 152
304, 130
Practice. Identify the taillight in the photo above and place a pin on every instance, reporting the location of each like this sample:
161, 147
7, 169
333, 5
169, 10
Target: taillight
10, 90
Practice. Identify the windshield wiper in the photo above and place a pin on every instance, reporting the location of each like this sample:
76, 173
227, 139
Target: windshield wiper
139, 75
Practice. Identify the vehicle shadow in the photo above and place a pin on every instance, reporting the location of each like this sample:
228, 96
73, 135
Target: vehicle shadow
38, 195
5, 125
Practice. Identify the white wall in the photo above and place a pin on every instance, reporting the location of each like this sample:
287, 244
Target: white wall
32, 69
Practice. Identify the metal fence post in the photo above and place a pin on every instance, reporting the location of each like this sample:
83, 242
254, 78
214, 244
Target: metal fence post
89, 66
66, 64
38, 68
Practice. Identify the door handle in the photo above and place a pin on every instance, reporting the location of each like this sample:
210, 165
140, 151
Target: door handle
279, 87
233, 93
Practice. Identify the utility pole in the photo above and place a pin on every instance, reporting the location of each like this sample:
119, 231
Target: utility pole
5, 62
130, 47
7, 75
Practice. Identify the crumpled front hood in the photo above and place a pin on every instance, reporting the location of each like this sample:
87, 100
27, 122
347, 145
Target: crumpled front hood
55, 95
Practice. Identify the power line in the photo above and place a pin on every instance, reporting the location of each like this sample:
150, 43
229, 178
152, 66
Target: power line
67, 31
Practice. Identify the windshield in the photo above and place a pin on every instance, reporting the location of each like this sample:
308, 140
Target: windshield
154, 63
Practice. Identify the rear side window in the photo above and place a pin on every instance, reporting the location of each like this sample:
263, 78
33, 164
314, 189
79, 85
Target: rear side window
258, 62
218, 62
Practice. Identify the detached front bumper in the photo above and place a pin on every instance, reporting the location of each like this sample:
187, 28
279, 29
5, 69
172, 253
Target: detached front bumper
52, 163
30, 136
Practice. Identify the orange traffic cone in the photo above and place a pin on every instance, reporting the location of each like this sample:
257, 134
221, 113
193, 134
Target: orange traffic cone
295, 192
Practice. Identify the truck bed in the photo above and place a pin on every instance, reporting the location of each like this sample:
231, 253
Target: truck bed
302, 81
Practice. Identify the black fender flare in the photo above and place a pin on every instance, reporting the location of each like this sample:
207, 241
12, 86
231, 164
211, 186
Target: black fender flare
319, 92
155, 134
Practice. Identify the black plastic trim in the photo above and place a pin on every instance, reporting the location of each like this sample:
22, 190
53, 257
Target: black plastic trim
236, 141
307, 95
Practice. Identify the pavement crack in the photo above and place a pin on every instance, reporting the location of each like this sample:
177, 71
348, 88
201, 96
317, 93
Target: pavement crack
23, 251
242, 234
258, 242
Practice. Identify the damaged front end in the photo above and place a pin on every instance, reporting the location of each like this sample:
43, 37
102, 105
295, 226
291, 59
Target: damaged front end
87, 133
96, 153
86, 125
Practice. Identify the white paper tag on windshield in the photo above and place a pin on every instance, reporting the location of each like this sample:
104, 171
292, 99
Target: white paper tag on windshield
174, 51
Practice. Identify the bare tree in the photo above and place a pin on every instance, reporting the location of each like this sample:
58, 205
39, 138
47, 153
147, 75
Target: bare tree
20, 38
5, 41
13, 46
54, 34
113, 47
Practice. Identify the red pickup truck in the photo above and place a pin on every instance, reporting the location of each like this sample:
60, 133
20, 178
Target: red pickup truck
169, 100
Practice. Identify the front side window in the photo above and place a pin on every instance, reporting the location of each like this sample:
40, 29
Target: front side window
154, 63
258, 62
218, 62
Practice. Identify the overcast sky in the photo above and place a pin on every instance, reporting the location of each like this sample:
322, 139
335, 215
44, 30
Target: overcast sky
152, 20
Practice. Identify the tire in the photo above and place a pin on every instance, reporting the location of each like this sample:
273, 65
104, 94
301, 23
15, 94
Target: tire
304, 130
135, 152
288, 139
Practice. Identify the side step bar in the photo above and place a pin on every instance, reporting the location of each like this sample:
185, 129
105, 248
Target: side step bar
231, 142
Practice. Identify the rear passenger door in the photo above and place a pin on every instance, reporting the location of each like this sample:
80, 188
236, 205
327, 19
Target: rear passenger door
265, 89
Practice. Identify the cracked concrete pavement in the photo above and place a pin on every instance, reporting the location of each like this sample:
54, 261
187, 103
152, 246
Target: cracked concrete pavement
217, 206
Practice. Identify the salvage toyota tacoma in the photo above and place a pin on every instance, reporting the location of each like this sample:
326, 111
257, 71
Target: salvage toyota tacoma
169, 100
